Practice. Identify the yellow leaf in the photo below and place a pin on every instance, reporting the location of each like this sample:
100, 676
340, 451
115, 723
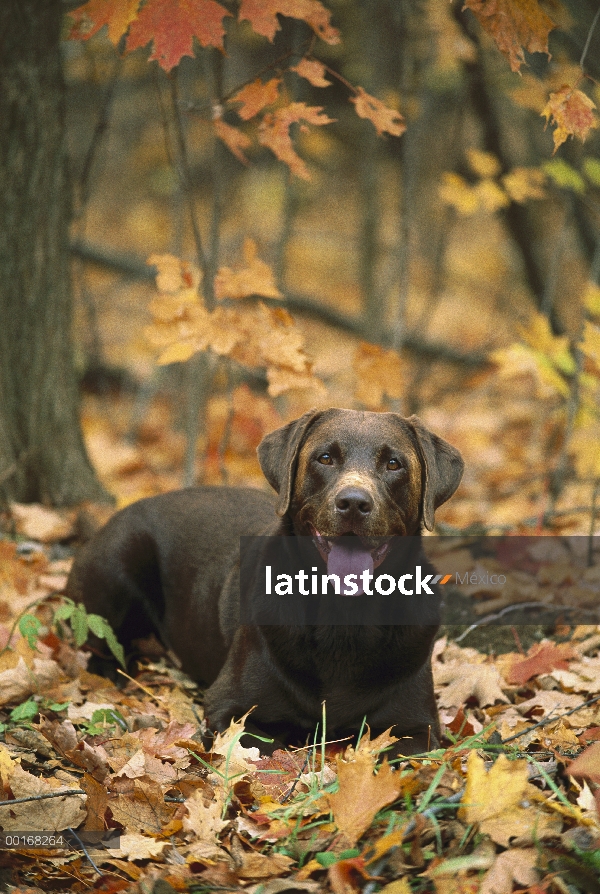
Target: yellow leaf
491, 196
178, 352
256, 278
591, 299
484, 164
524, 183
590, 344
174, 274
454, 190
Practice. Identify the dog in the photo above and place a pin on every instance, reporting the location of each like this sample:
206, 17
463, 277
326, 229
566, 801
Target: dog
351, 486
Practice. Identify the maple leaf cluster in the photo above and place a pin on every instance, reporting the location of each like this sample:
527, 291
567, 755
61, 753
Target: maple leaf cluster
171, 26
256, 336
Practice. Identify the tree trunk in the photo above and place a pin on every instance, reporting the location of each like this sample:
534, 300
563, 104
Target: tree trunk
42, 454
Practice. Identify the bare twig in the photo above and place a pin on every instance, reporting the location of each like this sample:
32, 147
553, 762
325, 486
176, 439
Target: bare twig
68, 791
513, 608
184, 171
589, 39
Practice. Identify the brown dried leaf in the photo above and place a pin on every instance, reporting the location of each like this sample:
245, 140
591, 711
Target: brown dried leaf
386, 120
313, 71
515, 26
274, 133
572, 112
262, 15
361, 793
482, 681
52, 814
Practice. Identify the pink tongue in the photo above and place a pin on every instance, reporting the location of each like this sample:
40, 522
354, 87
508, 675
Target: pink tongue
344, 559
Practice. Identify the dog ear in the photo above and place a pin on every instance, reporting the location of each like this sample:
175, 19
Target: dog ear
278, 456
443, 468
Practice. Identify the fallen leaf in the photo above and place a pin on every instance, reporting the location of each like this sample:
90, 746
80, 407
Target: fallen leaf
204, 818
587, 764
361, 793
515, 866
541, 659
482, 681
36, 522
138, 847
21, 681
51, 815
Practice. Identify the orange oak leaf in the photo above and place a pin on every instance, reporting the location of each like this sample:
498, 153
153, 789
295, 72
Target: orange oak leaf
361, 793
274, 133
587, 764
572, 112
542, 659
256, 96
172, 24
313, 71
386, 120
262, 15
92, 16
515, 26
235, 139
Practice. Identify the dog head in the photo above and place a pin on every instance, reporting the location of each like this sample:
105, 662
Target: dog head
372, 475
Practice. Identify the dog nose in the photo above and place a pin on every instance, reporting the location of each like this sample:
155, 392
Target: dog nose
351, 499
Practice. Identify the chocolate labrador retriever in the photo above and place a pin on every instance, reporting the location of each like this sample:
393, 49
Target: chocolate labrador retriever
350, 484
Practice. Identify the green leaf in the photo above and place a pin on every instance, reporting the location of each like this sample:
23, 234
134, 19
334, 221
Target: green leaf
591, 169
102, 629
56, 706
30, 627
64, 612
327, 858
564, 175
115, 647
26, 711
79, 625
108, 715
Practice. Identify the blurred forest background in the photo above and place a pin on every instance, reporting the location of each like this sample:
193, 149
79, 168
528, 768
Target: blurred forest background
450, 271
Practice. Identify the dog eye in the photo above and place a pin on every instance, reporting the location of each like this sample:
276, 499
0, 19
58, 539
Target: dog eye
325, 459
394, 464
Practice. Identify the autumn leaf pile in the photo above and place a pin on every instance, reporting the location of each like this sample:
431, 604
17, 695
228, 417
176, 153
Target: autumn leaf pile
510, 802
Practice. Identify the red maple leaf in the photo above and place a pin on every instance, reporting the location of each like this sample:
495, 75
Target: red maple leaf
542, 659
92, 16
172, 24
